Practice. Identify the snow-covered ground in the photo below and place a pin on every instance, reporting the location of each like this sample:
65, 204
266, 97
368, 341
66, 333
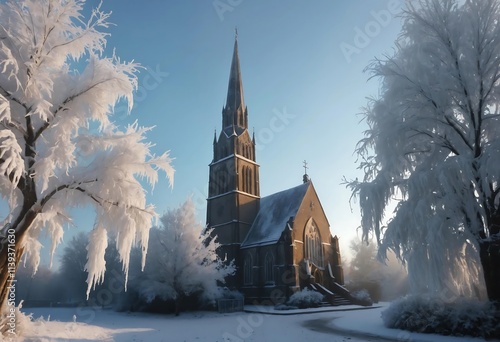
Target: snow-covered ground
263, 324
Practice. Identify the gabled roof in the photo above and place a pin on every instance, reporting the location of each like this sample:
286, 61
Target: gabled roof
275, 211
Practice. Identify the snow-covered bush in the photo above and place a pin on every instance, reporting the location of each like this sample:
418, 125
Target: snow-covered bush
425, 314
226, 293
362, 296
305, 299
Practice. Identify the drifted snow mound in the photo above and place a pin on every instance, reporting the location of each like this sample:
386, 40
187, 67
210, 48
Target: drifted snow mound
14, 323
426, 314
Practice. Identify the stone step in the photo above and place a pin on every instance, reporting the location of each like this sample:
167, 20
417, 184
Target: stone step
324, 304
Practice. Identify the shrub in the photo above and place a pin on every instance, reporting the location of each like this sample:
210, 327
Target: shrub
225, 293
305, 299
363, 296
427, 314
371, 287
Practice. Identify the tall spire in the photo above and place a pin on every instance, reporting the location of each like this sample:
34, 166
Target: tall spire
235, 104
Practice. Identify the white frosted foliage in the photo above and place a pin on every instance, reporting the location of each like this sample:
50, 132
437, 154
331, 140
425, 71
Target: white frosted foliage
11, 156
180, 261
433, 144
96, 265
59, 147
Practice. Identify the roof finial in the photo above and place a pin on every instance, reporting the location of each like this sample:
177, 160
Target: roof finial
236, 33
305, 178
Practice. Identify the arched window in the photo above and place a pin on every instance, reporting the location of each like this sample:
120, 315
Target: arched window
248, 270
241, 179
244, 179
314, 249
269, 268
249, 180
223, 181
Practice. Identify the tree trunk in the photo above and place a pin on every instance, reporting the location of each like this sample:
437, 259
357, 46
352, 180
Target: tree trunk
20, 227
489, 252
7, 273
178, 301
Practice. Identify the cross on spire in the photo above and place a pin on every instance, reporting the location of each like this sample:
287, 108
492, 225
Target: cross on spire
306, 177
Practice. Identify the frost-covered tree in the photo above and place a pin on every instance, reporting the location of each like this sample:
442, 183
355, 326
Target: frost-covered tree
72, 269
433, 143
43, 287
363, 266
384, 281
182, 259
58, 146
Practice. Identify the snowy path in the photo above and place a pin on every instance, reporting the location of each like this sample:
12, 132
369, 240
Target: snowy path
325, 325
200, 327
106, 325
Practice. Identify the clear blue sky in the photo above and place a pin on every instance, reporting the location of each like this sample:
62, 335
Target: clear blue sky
302, 66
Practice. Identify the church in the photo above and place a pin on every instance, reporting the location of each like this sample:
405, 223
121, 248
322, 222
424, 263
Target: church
280, 243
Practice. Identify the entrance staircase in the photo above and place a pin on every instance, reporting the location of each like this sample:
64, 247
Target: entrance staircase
333, 293
336, 296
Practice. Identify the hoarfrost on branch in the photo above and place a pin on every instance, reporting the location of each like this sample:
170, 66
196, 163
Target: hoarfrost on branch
433, 142
58, 145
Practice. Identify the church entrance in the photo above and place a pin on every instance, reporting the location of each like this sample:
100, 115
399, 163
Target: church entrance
318, 277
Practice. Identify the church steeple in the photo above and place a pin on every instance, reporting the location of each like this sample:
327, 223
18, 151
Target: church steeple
234, 145
235, 112
233, 187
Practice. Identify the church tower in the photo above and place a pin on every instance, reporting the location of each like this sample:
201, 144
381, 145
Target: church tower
233, 191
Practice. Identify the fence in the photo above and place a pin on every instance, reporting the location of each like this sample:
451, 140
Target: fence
229, 305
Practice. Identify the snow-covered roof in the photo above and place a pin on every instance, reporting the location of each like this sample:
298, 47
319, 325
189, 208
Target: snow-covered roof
275, 211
